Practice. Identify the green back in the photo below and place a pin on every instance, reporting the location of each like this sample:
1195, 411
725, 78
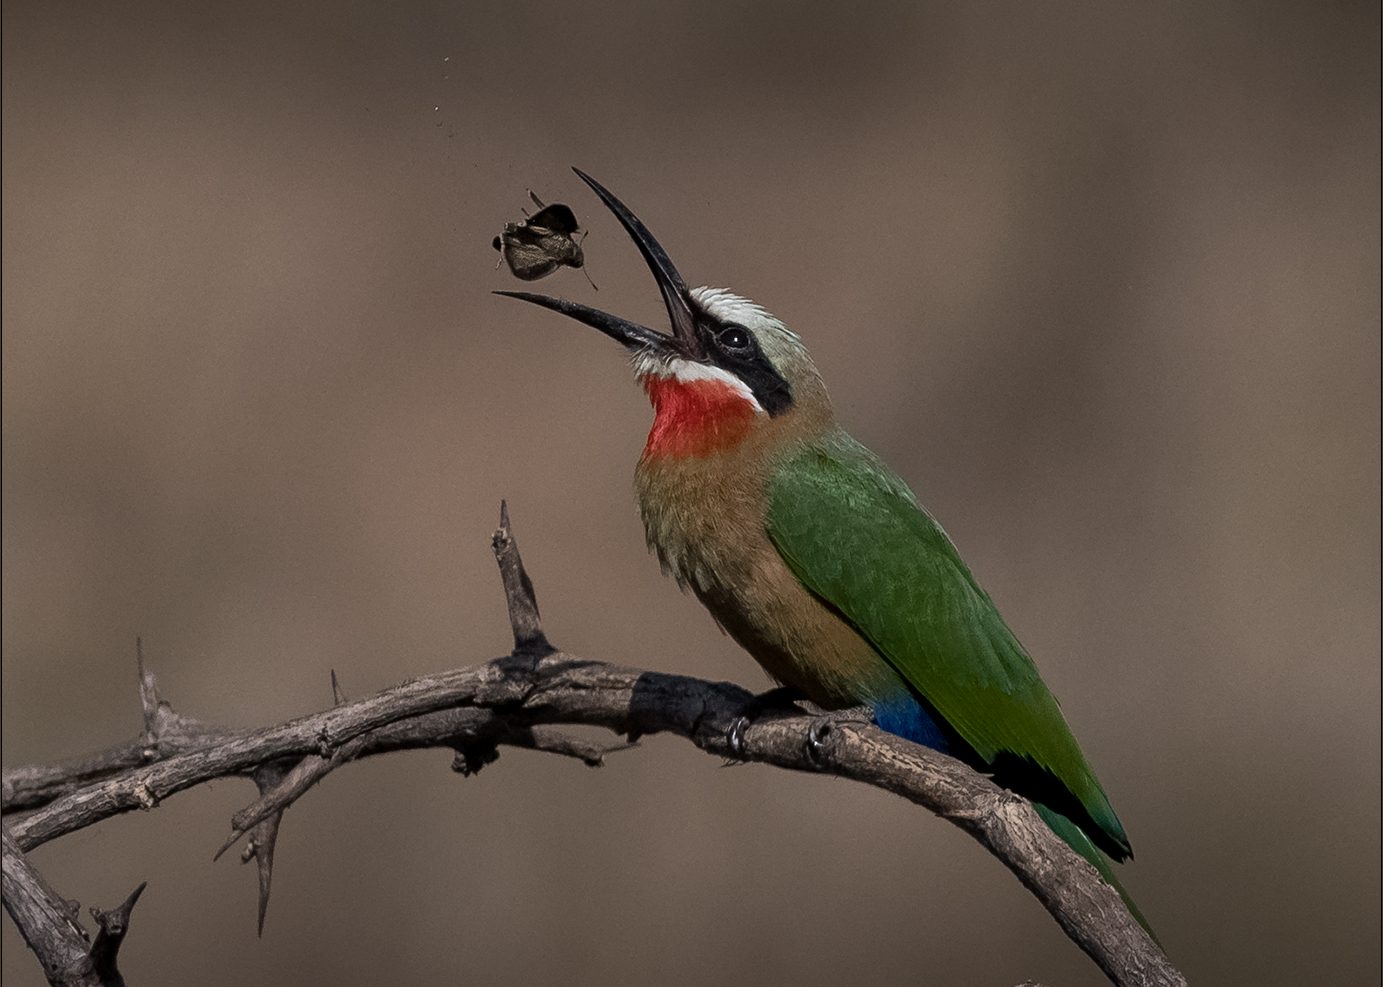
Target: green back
855, 535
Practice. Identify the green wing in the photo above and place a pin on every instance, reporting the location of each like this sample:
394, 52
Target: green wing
855, 536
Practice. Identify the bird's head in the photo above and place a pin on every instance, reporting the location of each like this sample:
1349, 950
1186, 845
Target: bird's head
728, 368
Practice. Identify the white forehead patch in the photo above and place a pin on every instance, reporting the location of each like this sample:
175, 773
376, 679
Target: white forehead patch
689, 371
726, 306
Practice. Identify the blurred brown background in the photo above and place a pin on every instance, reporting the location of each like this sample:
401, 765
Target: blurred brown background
1100, 280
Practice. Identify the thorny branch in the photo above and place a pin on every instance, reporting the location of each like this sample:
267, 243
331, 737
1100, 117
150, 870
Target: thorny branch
520, 700
50, 926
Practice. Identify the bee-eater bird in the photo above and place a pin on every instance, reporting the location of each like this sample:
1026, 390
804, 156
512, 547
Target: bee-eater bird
818, 559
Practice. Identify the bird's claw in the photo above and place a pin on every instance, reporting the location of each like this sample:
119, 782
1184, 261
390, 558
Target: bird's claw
820, 739
779, 699
735, 736
822, 735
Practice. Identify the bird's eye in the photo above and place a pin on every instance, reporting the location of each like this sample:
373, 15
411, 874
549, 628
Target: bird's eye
734, 338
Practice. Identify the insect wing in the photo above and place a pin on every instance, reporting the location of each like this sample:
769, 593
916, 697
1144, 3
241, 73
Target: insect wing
557, 217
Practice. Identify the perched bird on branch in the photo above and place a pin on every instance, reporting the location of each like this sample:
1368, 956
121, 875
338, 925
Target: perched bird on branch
818, 559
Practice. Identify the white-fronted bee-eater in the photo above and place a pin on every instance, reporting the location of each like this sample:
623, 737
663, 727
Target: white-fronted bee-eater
819, 560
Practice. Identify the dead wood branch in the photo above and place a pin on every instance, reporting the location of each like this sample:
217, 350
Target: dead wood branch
519, 700
50, 926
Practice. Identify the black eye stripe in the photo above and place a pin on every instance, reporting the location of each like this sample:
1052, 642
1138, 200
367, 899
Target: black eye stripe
733, 348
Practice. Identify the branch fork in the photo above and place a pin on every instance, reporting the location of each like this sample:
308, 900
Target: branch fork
522, 699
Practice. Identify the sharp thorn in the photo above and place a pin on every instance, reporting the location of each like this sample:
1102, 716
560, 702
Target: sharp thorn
235, 838
266, 834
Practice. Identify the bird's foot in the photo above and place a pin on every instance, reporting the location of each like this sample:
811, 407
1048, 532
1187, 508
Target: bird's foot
782, 699
821, 735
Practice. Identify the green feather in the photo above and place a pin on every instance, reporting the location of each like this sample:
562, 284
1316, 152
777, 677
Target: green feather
855, 536
1075, 838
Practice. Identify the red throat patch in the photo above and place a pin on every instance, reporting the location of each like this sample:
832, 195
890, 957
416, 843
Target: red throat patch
694, 418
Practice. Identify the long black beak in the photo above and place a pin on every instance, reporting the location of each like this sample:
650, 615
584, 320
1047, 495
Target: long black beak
670, 284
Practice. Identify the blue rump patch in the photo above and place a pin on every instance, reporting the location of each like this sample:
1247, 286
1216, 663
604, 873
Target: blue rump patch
905, 717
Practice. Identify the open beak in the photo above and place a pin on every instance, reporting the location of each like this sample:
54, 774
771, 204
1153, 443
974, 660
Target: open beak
674, 290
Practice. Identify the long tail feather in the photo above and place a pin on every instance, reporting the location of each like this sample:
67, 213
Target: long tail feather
1075, 838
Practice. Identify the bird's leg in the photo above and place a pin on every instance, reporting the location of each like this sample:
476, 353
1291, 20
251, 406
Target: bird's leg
821, 734
784, 698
